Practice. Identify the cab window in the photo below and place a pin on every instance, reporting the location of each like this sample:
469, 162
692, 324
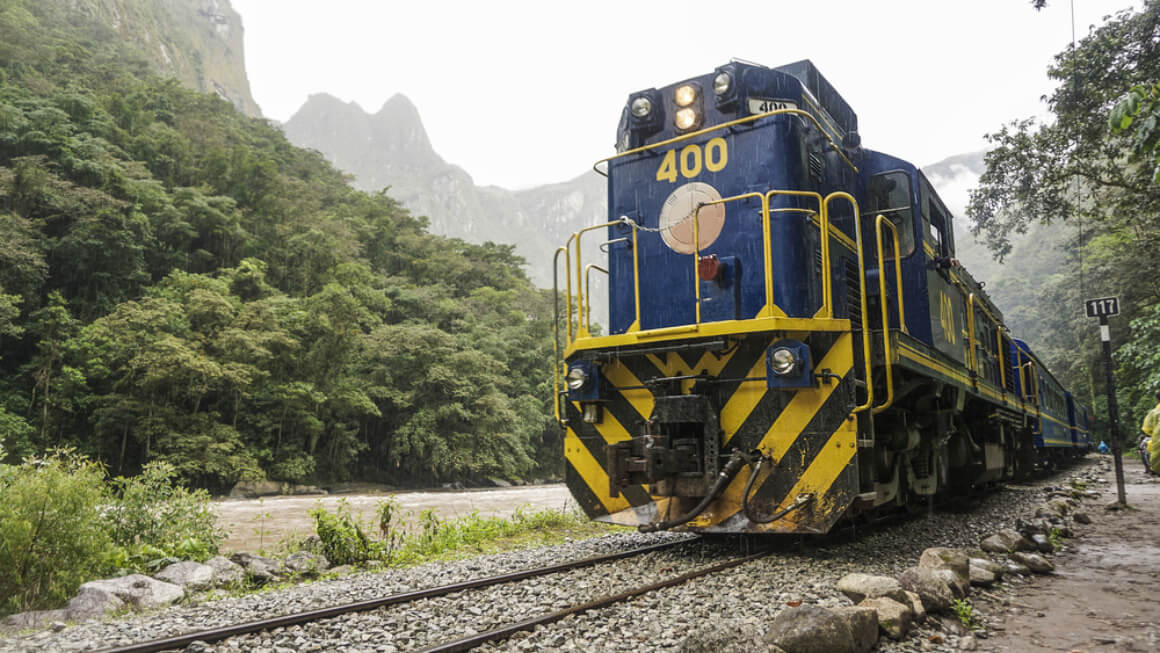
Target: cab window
890, 196
936, 221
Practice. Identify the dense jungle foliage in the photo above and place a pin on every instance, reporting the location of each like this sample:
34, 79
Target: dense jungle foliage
1099, 186
180, 284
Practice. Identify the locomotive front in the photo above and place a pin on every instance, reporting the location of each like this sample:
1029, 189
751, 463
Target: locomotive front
727, 389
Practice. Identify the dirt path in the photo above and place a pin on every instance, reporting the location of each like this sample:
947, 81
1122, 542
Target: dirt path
1105, 594
255, 524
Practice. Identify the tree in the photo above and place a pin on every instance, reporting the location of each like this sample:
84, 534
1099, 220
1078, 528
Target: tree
1072, 171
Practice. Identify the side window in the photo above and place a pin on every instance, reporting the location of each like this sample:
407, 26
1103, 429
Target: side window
936, 221
890, 196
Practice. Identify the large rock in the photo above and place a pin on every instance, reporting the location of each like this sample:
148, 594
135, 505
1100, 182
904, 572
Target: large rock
225, 572
894, 618
259, 569
190, 575
916, 606
1007, 540
857, 587
93, 602
1043, 544
810, 629
1012, 567
984, 572
255, 489
952, 565
936, 595
136, 590
306, 563
1034, 562
32, 619
863, 623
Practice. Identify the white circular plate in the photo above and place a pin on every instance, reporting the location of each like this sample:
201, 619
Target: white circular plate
676, 221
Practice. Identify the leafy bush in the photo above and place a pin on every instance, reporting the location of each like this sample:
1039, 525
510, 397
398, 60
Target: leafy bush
344, 540
151, 513
52, 538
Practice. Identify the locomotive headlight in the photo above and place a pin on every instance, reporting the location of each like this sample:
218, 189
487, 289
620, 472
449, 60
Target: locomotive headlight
721, 83
685, 119
641, 107
783, 361
577, 378
685, 95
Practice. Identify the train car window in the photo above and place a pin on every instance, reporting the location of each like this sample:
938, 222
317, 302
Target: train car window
890, 196
936, 220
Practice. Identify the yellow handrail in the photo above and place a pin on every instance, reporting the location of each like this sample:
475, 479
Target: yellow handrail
879, 223
862, 288
886, 357
697, 245
557, 363
587, 278
726, 125
823, 228
581, 330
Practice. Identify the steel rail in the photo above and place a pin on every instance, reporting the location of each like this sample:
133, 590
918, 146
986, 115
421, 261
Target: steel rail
226, 632
500, 634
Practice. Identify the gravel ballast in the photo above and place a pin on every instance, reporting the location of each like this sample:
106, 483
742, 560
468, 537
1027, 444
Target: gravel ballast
746, 597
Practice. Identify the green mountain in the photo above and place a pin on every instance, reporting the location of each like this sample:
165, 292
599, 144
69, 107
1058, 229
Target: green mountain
390, 149
179, 282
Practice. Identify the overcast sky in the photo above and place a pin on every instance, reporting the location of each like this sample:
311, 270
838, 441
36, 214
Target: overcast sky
525, 93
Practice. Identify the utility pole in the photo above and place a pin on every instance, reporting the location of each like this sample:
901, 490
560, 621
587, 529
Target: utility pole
1104, 308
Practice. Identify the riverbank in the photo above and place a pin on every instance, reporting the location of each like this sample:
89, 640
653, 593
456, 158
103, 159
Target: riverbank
255, 524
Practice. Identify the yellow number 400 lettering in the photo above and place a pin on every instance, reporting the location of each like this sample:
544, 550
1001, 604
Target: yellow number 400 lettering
691, 158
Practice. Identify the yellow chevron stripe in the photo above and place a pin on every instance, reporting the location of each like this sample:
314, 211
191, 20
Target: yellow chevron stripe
640, 398
821, 476
592, 472
796, 415
743, 401
806, 403
713, 363
609, 427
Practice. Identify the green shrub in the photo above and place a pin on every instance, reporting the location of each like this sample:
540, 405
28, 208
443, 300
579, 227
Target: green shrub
966, 614
52, 538
344, 540
151, 513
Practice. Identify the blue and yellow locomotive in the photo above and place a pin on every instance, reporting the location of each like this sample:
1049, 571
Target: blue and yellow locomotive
789, 338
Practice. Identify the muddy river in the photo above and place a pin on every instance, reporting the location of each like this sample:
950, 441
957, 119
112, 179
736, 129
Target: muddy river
255, 524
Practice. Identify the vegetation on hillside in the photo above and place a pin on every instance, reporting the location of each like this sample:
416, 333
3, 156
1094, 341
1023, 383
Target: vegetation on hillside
180, 284
1073, 174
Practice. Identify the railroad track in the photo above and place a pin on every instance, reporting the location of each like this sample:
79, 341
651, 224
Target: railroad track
299, 618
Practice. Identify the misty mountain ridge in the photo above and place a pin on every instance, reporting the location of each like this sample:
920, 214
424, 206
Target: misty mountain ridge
390, 149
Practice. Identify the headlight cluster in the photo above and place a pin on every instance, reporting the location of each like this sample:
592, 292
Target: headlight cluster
783, 361
577, 378
788, 365
722, 83
688, 116
641, 107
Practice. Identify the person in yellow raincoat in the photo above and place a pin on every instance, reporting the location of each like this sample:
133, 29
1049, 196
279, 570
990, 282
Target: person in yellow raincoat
1151, 428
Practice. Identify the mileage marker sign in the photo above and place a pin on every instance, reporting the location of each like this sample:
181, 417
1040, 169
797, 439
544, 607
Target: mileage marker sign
1104, 308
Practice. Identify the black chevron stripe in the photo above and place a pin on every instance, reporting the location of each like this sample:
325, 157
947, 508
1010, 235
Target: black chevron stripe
806, 447
690, 359
583, 494
595, 443
625, 413
751, 350
763, 415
